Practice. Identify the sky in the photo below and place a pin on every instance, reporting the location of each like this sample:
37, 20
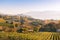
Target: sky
26, 6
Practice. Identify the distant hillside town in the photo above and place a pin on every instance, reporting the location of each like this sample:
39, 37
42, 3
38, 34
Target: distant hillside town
24, 23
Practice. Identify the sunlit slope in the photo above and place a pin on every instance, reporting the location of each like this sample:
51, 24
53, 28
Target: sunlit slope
2, 20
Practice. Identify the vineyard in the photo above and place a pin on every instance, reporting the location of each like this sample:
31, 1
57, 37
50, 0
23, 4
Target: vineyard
30, 36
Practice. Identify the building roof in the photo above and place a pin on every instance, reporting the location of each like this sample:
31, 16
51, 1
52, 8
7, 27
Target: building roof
1, 27
58, 30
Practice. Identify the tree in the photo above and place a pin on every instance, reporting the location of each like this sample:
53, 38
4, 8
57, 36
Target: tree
0, 16
16, 25
35, 26
35, 29
50, 27
25, 30
58, 25
20, 30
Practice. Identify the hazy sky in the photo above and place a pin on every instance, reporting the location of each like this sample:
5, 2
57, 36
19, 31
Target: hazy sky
23, 6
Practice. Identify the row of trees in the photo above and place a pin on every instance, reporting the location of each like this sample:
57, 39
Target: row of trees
50, 27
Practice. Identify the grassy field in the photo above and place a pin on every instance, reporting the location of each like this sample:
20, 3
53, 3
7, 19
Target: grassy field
29, 36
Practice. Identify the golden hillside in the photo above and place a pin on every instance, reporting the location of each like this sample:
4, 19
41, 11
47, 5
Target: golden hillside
2, 20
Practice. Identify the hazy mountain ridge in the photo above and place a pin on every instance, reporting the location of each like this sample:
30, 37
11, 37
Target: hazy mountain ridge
55, 15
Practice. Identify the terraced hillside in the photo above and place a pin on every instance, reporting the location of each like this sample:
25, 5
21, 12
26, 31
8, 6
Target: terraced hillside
30, 36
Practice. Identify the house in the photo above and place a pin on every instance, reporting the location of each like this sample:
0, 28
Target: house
1, 28
30, 30
58, 30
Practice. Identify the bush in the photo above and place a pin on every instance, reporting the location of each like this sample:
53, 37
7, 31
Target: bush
8, 25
